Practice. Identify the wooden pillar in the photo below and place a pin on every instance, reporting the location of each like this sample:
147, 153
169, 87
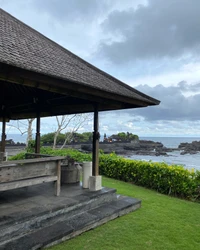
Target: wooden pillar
95, 148
37, 137
3, 136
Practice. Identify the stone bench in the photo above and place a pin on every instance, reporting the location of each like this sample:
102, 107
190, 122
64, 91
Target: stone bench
28, 172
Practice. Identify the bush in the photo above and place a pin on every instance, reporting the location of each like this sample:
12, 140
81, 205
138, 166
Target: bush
31, 146
75, 154
20, 156
172, 180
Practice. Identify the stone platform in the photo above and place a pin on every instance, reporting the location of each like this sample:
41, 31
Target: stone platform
33, 218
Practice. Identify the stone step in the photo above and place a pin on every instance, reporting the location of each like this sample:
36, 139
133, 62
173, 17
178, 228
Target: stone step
71, 226
22, 223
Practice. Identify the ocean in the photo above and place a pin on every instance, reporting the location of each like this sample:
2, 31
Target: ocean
188, 161
17, 137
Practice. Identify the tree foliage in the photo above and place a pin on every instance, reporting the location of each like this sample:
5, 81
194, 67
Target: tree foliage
122, 136
49, 138
74, 137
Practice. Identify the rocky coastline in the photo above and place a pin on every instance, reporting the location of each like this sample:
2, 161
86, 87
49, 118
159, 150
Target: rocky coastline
144, 147
140, 147
136, 147
189, 148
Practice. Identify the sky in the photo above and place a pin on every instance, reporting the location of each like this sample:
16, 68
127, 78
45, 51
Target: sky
151, 45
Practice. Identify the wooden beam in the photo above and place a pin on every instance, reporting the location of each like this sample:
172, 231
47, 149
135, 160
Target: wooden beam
26, 183
95, 149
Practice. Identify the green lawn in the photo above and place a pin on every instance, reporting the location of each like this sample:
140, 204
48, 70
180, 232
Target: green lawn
161, 223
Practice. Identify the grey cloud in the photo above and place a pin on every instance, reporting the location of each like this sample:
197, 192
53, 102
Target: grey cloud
174, 105
189, 87
160, 29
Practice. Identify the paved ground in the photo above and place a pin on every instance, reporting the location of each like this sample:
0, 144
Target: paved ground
33, 217
29, 201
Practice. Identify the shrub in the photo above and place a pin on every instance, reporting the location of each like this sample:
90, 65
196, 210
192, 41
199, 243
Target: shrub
172, 180
75, 154
31, 146
20, 156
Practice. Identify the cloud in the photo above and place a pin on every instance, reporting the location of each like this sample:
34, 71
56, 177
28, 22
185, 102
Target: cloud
83, 11
189, 73
174, 104
73, 10
156, 30
143, 127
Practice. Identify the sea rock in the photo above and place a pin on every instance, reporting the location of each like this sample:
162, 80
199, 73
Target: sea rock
145, 144
140, 147
189, 148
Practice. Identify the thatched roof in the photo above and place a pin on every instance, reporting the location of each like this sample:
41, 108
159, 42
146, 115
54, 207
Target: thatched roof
34, 67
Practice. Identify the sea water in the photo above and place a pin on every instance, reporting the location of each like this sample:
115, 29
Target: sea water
17, 137
187, 160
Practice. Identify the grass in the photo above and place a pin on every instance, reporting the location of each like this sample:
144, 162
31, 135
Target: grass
162, 222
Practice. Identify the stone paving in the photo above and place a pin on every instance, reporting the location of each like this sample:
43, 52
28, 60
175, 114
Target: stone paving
33, 217
22, 202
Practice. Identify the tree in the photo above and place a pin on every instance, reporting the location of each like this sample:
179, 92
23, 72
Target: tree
29, 130
62, 122
76, 137
122, 136
49, 138
24, 128
84, 137
72, 123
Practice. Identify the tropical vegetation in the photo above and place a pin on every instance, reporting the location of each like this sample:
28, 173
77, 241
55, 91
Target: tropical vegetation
122, 136
75, 137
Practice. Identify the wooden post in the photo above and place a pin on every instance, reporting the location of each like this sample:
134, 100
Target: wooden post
95, 148
3, 136
37, 137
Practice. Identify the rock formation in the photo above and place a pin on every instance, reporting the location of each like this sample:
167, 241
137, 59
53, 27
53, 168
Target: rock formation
189, 148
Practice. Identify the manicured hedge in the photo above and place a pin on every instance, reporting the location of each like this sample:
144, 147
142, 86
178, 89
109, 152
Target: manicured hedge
171, 180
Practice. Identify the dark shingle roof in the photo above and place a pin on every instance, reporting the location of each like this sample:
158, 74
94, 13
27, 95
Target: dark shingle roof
23, 47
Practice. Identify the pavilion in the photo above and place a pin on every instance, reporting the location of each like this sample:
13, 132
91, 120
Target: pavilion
39, 78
